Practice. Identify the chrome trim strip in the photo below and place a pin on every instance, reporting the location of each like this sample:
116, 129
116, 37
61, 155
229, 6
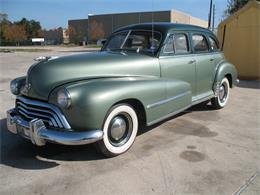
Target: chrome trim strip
180, 110
48, 106
129, 32
167, 100
201, 100
36, 131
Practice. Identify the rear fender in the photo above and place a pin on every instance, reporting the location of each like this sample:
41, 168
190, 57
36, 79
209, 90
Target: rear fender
225, 69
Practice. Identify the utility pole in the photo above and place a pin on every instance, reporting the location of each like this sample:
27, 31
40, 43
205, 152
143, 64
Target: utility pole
210, 14
89, 15
213, 21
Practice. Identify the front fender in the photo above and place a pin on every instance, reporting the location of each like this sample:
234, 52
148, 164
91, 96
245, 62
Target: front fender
224, 69
91, 99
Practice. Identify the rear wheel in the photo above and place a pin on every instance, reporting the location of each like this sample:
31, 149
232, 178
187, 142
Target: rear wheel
120, 129
221, 100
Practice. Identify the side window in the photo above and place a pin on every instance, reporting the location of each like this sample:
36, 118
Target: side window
181, 44
177, 43
168, 48
213, 44
199, 43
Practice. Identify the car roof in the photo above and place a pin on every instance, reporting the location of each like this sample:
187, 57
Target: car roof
163, 27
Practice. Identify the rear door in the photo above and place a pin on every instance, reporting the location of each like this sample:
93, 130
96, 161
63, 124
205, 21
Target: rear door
205, 65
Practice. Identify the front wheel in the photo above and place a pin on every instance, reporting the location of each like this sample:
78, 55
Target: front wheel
120, 129
222, 98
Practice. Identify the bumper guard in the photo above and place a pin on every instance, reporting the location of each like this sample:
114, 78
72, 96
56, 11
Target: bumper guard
36, 131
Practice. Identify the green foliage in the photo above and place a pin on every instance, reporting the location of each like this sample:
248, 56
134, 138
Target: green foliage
235, 5
31, 28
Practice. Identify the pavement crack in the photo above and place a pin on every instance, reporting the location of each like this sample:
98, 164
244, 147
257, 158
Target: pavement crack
247, 183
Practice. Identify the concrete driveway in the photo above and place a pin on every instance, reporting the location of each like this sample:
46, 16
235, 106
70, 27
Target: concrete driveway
200, 151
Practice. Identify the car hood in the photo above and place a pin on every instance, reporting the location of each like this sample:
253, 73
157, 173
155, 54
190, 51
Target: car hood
48, 74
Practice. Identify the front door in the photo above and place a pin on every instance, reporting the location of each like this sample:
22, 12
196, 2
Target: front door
177, 62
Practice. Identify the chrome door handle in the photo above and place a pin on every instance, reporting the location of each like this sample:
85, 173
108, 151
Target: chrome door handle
211, 59
192, 61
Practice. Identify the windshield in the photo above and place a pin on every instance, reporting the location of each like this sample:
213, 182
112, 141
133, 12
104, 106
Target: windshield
138, 41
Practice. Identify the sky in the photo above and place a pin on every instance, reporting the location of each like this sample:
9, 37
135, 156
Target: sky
56, 13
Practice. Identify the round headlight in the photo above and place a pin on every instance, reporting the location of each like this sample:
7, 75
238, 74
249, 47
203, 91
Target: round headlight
14, 87
63, 98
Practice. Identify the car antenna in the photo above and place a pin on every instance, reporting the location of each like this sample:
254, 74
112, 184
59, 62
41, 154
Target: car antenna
152, 25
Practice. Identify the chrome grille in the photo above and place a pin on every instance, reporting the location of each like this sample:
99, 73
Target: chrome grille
50, 114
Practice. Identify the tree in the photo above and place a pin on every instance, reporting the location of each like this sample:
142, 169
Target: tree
33, 28
18, 31
96, 31
235, 5
71, 32
3, 17
15, 33
4, 22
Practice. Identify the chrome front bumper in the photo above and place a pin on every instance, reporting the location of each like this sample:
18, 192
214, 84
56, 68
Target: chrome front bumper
36, 131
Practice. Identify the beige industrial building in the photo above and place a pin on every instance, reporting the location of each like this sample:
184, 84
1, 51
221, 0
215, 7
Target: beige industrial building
102, 25
239, 37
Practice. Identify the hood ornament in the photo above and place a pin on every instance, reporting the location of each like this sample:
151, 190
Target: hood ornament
45, 58
42, 58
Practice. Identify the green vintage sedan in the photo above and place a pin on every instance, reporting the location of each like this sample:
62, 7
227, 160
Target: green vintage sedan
144, 74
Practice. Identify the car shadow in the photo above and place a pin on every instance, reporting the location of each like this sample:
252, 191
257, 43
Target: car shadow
204, 106
20, 153
249, 84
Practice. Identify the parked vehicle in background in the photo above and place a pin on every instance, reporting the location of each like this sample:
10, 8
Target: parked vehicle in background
101, 42
144, 74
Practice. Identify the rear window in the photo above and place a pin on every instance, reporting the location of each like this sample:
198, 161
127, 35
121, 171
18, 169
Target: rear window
200, 43
213, 44
177, 43
181, 44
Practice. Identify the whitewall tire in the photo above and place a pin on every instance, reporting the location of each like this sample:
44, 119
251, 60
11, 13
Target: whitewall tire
223, 95
120, 129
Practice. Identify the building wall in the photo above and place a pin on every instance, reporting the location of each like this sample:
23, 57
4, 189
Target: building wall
180, 17
242, 40
111, 22
81, 30
101, 26
53, 36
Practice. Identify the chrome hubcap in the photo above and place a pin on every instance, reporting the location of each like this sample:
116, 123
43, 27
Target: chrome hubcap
118, 128
223, 93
